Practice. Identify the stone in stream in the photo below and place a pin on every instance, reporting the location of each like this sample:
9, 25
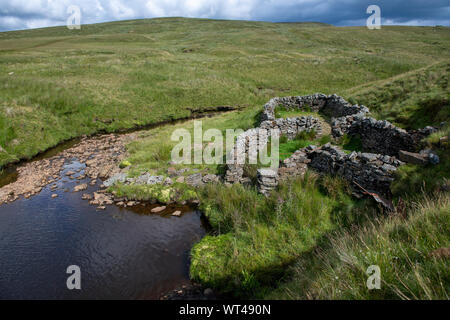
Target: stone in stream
86, 196
101, 207
80, 187
177, 213
158, 209
70, 173
101, 199
54, 195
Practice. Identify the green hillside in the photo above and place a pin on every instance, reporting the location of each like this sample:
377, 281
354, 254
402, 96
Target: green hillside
56, 83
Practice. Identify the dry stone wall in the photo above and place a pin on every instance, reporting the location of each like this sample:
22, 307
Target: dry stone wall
381, 136
373, 171
292, 126
332, 106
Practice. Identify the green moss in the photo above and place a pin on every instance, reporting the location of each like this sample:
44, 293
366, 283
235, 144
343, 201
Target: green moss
124, 164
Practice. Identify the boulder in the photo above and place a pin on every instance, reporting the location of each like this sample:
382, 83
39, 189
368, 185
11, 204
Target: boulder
195, 180
411, 157
210, 178
168, 181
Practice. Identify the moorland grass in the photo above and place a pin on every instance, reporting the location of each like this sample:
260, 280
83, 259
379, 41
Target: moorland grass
255, 238
56, 84
405, 249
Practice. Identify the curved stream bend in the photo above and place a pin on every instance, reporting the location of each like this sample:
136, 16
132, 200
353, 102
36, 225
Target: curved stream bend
122, 252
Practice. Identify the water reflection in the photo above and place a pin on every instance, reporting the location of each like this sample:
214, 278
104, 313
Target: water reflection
123, 253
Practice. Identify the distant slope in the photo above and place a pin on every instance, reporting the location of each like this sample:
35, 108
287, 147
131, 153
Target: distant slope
414, 99
57, 83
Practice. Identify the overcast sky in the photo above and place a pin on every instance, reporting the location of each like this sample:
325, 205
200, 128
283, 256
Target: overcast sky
25, 14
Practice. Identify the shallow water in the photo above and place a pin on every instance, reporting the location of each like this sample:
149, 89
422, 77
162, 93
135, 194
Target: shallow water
123, 253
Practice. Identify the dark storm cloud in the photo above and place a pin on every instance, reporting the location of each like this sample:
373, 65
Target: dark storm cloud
22, 14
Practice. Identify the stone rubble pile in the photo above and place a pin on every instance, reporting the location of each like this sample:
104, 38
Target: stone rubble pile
373, 172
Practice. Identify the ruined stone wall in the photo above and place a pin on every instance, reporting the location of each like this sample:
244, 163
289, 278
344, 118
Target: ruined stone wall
332, 105
380, 136
257, 137
374, 172
292, 126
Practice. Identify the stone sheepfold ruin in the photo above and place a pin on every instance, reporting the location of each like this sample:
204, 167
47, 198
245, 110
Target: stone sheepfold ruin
385, 145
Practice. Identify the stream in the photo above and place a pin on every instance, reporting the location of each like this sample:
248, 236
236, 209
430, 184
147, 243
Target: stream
122, 252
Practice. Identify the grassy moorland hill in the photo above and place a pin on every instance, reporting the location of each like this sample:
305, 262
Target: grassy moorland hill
310, 239
57, 83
